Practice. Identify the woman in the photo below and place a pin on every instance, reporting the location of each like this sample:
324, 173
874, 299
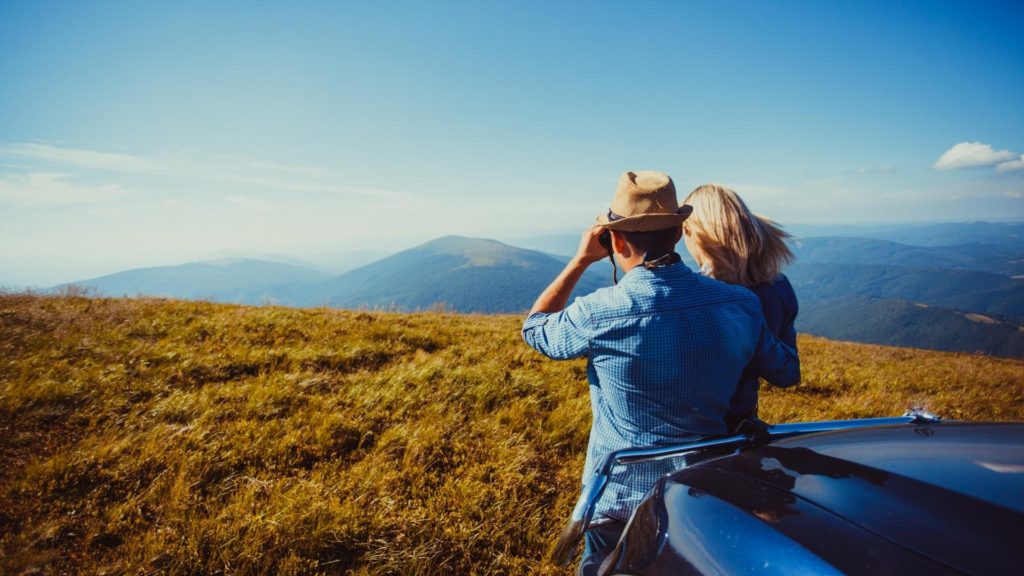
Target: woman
733, 245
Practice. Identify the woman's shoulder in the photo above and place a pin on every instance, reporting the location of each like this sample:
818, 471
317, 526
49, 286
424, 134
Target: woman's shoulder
779, 289
782, 284
779, 285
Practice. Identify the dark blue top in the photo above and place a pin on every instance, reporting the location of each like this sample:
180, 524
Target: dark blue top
778, 303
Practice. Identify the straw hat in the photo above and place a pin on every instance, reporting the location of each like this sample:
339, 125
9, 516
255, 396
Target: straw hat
644, 201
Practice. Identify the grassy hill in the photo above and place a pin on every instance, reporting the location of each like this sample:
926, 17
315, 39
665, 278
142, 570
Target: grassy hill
152, 436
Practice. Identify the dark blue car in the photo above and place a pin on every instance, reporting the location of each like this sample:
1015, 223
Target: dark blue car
877, 496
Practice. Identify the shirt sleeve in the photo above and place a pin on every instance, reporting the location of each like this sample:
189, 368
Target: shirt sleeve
559, 335
775, 361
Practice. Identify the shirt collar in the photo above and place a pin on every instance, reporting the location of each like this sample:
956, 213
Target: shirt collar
642, 274
662, 261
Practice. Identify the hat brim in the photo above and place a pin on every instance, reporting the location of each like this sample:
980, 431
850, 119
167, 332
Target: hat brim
646, 222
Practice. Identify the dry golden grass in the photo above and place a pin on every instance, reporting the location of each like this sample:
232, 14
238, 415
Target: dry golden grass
149, 436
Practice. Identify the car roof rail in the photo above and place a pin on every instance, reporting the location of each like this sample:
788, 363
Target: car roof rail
564, 549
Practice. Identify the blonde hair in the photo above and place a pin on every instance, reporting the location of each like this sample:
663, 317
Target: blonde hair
739, 246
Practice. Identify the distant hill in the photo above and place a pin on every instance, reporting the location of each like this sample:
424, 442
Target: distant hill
339, 261
463, 274
486, 276
982, 246
966, 290
1007, 234
556, 244
996, 259
902, 323
460, 274
227, 280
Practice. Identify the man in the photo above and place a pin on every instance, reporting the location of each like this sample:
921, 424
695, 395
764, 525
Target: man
665, 347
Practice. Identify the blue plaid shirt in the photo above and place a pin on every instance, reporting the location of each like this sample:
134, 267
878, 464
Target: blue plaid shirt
665, 349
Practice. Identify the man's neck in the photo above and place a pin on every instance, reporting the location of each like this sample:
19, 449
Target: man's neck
628, 264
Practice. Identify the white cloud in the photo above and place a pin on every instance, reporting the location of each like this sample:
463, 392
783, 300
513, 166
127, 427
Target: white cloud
1017, 164
51, 189
83, 158
1014, 194
273, 175
972, 154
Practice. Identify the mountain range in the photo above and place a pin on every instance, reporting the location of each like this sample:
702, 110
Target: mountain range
1009, 234
970, 290
997, 258
452, 272
904, 323
965, 297
225, 280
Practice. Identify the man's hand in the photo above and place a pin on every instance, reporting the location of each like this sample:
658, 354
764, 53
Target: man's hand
555, 297
590, 249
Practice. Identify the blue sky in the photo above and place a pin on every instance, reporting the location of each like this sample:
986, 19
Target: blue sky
143, 133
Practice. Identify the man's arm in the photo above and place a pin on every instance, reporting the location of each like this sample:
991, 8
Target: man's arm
555, 297
553, 329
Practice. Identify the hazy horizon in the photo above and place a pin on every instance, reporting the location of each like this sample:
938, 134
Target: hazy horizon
26, 273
